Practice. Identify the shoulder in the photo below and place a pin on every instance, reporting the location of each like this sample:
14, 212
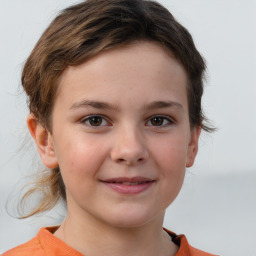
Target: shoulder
45, 243
197, 252
185, 249
31, 247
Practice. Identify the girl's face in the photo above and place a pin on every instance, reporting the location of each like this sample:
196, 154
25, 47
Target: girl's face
121, 135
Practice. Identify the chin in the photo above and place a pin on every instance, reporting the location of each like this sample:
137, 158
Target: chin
133, 219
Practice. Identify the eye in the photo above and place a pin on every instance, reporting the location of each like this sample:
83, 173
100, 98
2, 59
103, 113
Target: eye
95, 121
160, 121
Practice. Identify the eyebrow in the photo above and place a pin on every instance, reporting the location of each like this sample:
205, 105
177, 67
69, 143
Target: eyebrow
108, 106
163, 104
93, 104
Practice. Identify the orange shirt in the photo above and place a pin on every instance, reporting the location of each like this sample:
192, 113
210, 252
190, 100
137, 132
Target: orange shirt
45, 243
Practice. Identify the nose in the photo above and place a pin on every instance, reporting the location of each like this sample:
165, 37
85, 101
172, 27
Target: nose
129, 147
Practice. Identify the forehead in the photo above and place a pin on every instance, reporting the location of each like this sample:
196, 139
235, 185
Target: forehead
140, 66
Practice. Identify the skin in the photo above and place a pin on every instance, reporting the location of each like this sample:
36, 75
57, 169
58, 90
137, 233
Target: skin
123, 140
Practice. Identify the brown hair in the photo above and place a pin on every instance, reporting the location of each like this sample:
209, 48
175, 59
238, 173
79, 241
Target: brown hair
86, 29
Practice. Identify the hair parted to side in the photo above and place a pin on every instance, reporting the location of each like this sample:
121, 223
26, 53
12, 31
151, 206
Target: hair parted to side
86, 29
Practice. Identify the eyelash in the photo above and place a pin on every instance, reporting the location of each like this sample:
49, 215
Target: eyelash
90, 118
166, 121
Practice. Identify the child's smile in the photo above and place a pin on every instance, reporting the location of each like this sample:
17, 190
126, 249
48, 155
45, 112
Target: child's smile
121, 135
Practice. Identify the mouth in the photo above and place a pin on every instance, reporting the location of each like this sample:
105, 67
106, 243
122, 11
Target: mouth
132, 183
126, 185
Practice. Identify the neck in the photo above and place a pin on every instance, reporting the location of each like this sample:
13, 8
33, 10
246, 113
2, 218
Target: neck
85, 235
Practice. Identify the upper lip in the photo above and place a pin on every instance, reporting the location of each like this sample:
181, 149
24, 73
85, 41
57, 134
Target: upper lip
128, 179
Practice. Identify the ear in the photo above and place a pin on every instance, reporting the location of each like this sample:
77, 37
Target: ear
44, 142
193, 145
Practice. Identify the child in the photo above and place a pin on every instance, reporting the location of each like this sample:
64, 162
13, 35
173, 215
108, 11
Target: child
114, 89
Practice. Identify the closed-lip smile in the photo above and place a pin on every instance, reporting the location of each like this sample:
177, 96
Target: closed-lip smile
129, 185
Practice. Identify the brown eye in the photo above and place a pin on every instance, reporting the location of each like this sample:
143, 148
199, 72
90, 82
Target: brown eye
160, 121
95, 121
157, 121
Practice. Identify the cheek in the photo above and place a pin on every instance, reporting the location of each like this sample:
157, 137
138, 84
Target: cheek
173, 165
79, 160
171, 158
171, 154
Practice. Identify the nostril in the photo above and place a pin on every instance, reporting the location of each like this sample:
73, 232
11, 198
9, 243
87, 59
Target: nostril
122, 160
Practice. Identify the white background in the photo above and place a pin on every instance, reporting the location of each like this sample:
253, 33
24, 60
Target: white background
216, 208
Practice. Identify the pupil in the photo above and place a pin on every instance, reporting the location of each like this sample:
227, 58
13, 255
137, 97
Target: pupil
95, 121
157, 121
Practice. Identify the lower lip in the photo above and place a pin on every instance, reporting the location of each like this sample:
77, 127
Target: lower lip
129, 189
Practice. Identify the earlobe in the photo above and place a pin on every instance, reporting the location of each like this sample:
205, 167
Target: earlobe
44, 142
193, 145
